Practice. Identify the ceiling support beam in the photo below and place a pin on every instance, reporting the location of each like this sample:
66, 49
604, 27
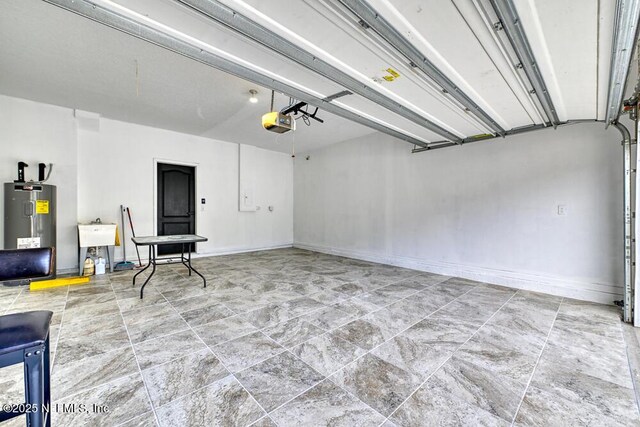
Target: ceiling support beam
512, 26
149, 34
369, 16
625, 34
228, 17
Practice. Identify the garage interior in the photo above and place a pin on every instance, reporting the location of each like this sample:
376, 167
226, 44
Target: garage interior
410, 213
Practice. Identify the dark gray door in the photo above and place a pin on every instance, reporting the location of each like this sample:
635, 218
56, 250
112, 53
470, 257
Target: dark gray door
176, 203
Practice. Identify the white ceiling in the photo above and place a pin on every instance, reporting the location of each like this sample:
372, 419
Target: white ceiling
54, 56
57, 57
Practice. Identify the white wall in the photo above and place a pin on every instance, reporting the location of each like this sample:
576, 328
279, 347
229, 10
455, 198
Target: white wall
102, 165
39, 133
117, 167
485, 211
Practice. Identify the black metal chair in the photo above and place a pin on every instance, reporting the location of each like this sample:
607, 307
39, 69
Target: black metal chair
24, 338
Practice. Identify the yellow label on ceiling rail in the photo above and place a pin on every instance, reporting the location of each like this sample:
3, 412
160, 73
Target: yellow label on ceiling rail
393, 72
390, 76
42, 206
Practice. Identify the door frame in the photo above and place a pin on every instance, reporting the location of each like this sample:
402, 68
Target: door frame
157, 160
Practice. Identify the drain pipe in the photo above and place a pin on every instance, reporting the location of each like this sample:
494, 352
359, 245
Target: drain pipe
629, 266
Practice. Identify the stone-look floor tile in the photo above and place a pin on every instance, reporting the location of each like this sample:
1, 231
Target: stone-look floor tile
247, 350
575, 324
327, 353
80, 340
378, 383
12, 384
356, 307
50, 299
194, 303
278, 379
6, 301
468, 309
93, 288
326, 405
454, 287
361, 333
277, 313
435, 404
169, 347
227, 329
375, 300
390, 322
124, 398
536, 302
152, 322
397, 291
130, 299
587, 354
329, 318
78, 375
570, 384
264, 422
415, 308
541, 408
372, 281
350, 289
588, 312
582, 376
425, 302
470, 383
328, 297
229, 293
414, 356
223, 403
428, 279
183, 289
292, 332
204, 315
600, 338
144, 420
445, 334
172, 380
19, 421
260, 300
524, 321
86, 312
503, 352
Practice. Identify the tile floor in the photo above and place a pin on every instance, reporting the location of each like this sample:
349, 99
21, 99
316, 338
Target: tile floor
290, 337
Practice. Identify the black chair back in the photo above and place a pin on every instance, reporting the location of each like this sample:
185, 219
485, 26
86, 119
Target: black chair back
22, 264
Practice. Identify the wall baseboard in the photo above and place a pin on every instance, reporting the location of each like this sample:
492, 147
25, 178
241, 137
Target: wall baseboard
582, 290
223, 251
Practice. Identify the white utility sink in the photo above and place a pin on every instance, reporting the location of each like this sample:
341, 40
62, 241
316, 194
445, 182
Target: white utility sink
97, 235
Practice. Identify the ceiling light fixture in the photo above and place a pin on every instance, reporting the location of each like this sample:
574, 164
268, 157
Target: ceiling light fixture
253, 99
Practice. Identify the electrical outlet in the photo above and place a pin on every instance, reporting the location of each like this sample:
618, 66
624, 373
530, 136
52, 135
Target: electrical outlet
562, 210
